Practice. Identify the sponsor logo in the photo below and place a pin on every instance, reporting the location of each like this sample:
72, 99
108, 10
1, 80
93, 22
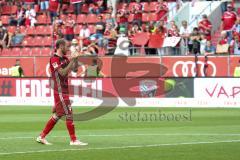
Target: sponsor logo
188, 68
148, 88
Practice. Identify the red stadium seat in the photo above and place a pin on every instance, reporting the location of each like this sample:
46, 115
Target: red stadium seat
36, 52
26, 52
11, 29
145, 17
91, 28
77, 29
6, 9
152, 6
47, 41
130, 7
22, 29
16, 52
4, 19
153, 17
13, 10
28, 41
46, 51
146, 6
31, 30
43, 19
81, 18
6, 52
85, 8
92, 18
38, 41
43, 30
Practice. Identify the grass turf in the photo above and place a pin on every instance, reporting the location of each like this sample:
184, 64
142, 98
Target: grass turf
207, 134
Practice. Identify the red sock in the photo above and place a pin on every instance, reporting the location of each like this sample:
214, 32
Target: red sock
49, 126
71, 129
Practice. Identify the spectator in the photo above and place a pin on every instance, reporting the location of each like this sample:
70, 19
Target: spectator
17, 37
161, 10
16, 70
185, 34
194, 43
54, 9
209, 49
111, 21
4, 42
123, 14
100, 28
19, 20
77, 4
137, 11
97, 7
69, 28
205, 27
30, 16
113, 4
228, 19
203, 43
84, 35
236, 27
74, 49
174, 32
235, 45
44, 5
110, 35
122, 43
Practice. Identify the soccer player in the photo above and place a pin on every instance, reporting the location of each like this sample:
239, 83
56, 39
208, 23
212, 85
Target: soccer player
60, 66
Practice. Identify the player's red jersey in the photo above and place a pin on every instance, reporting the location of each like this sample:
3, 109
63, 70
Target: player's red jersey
229, 19
61, 92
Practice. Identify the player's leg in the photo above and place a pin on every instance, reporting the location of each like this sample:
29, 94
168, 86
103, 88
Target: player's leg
49, 126
71, 128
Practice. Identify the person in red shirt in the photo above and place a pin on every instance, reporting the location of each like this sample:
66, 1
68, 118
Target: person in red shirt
161, 10
137, 12
54, 9
69, 28
228, 18
123, 14
205, 27
60, 67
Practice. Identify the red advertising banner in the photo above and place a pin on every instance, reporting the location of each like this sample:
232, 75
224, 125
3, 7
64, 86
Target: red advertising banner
79, 87
7, 62
119, 67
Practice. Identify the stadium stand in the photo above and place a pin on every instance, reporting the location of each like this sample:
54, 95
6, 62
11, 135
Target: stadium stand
145, 14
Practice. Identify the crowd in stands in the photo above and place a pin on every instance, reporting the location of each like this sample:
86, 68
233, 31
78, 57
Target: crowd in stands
97, 26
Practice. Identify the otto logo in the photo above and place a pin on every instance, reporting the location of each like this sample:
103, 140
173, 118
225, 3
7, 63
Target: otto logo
148, 88
188, 68
5, 71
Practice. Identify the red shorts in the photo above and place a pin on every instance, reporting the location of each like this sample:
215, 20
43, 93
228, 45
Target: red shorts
62, 108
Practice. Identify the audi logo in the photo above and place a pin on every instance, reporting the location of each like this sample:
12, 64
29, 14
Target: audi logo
189, 67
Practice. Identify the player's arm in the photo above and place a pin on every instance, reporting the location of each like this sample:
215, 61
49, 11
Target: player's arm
64, 71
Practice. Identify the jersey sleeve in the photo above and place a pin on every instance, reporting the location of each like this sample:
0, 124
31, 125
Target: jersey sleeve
55, 63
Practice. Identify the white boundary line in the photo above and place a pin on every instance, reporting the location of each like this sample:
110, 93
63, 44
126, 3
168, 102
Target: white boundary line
120, 147
123, 135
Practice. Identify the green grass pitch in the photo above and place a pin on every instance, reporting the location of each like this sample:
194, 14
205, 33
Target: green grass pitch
210, 134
